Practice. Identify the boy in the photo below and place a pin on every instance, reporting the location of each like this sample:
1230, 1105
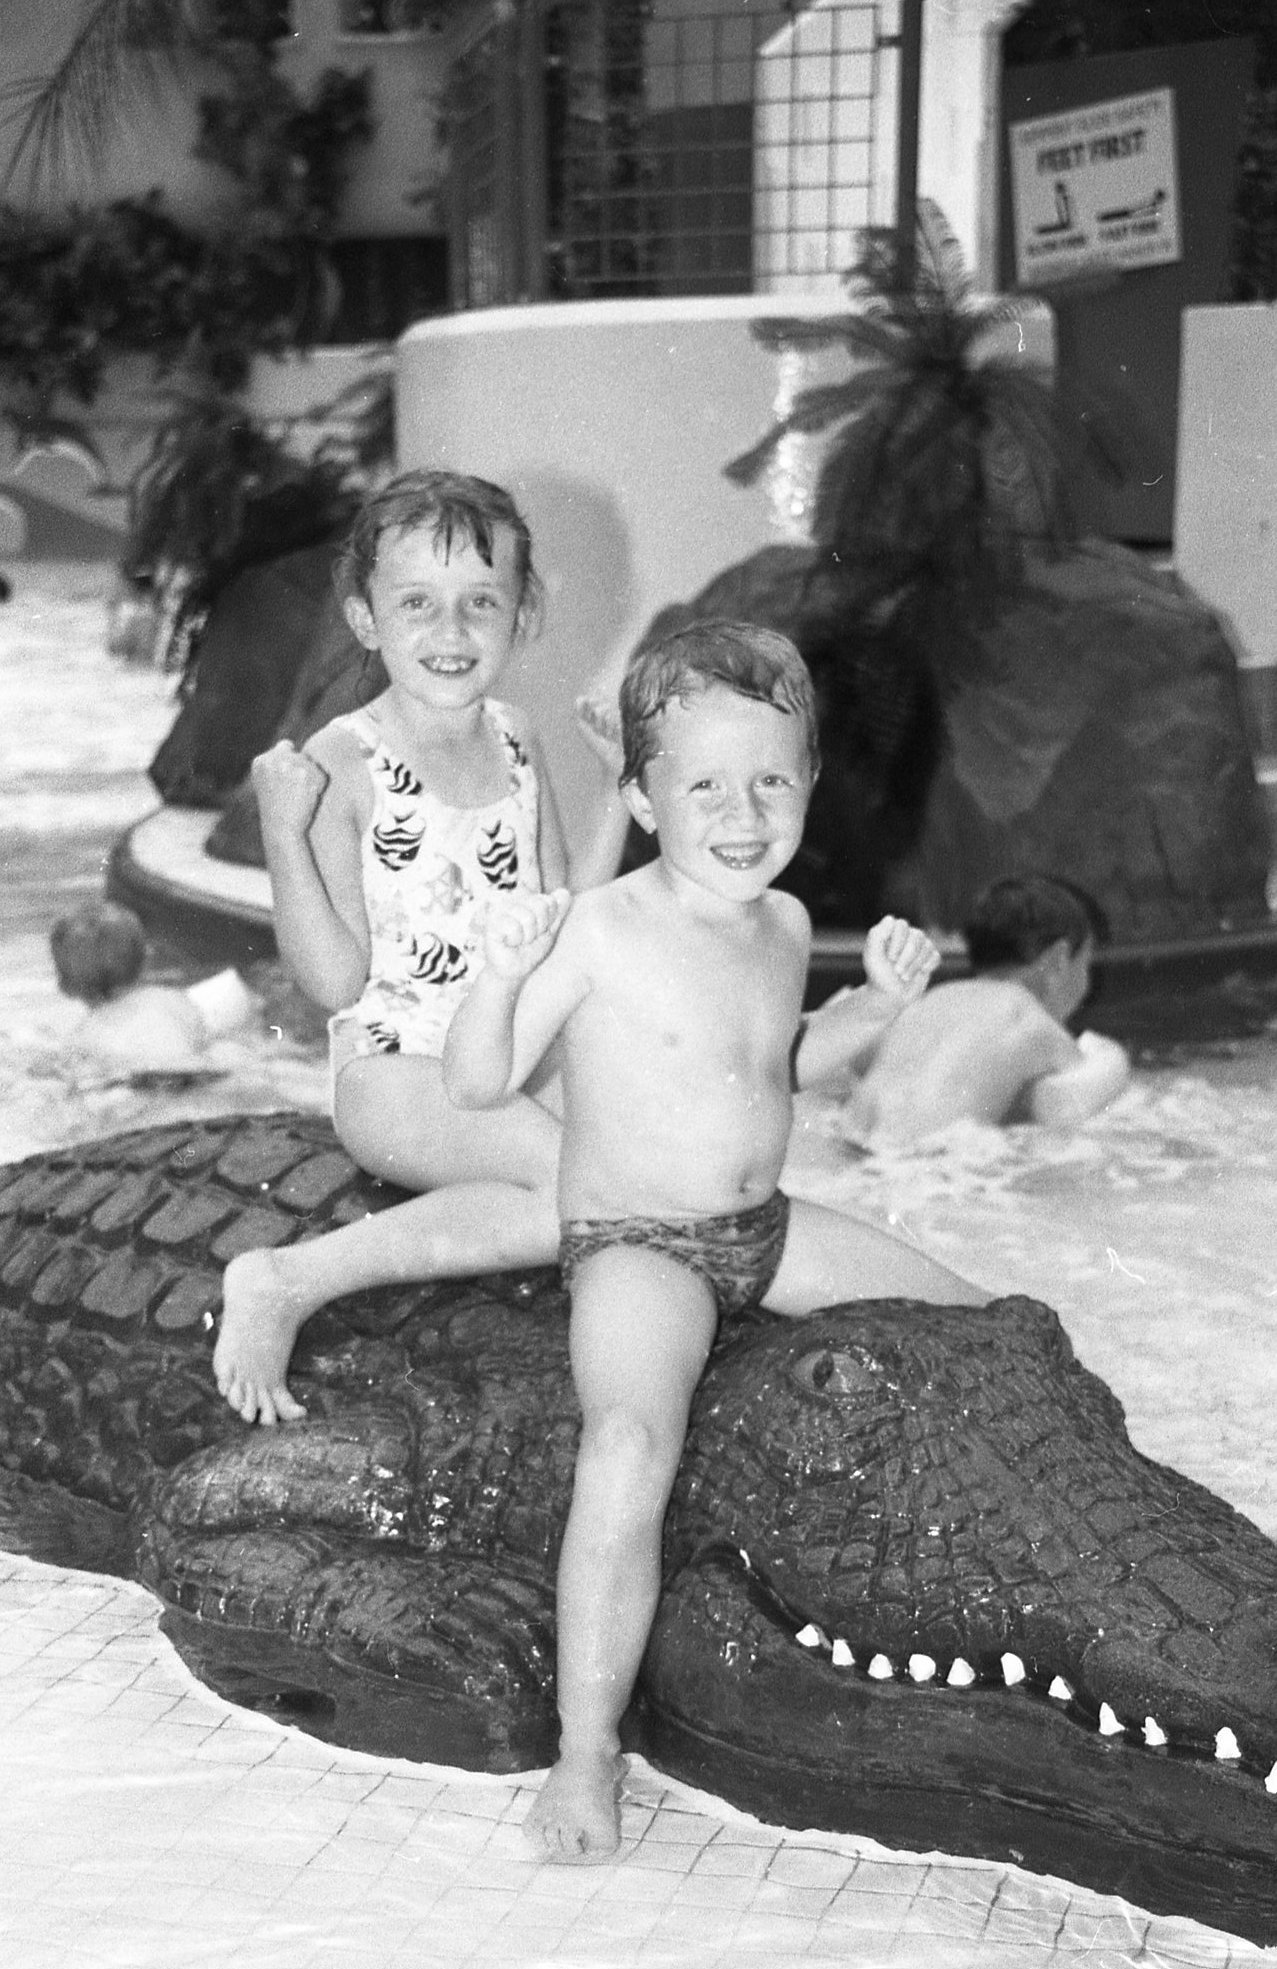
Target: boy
134, 1032
675, 995
993, 1047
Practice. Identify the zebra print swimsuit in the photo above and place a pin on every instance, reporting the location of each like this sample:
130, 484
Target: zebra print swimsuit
427, 869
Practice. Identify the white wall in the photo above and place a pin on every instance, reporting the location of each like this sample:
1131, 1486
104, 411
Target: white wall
1226, 472
151, 129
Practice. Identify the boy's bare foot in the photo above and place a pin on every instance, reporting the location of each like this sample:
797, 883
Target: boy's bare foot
261, 1315
576, 1819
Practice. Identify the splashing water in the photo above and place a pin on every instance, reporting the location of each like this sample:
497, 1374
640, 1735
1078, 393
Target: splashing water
1149, 1231
79, 731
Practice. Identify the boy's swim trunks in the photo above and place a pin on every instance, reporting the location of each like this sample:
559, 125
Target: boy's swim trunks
737, 1254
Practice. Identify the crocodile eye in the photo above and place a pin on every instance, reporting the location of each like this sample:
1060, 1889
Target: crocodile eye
827, 1371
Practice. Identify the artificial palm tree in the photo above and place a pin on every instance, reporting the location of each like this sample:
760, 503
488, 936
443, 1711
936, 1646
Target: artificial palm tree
947, 458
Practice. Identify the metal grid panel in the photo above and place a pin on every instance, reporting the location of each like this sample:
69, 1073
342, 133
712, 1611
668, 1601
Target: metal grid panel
711, 147
675, 146
480, 271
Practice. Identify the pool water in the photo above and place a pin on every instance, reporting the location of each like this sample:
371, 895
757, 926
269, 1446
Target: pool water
78, 734
1150, 1230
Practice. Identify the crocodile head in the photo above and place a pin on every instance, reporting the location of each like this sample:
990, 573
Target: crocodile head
921, 1585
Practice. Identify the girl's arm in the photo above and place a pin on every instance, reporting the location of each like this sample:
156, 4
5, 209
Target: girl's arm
516, 1006
596, 860
310, 831
599, 858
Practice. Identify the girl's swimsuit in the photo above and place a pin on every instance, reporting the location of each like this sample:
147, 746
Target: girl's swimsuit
738, 1254
428, 870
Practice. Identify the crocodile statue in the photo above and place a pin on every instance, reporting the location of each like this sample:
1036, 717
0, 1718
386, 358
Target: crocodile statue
918, 1583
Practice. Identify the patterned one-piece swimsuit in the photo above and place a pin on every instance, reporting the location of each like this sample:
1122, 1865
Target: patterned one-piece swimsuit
428, 869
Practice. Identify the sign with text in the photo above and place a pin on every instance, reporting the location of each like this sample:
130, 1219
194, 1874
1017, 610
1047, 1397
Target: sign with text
1096, 187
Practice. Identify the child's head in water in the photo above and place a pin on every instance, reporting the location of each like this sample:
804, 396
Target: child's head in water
98, 951
718, 725
1036, 924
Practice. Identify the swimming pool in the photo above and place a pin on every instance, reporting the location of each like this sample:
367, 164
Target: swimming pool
1149, 1231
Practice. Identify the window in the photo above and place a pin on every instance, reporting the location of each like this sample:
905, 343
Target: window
387, 284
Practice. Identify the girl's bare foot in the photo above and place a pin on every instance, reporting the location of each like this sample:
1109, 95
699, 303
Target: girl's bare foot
262, 1312
576, 1819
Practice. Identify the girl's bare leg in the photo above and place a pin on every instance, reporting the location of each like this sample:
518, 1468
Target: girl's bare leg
641, 1331
491, 1178
830, 1257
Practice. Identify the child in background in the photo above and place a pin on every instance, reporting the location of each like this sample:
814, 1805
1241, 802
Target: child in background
139, 1033
673, 996
994, 1047
387, 837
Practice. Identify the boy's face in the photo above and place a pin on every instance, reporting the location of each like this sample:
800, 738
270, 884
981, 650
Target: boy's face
443, 621
726, 793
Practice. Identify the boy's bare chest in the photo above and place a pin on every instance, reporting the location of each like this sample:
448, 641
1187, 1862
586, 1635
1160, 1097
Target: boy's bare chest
707, 998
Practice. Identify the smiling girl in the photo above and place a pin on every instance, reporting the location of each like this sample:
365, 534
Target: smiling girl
387, 836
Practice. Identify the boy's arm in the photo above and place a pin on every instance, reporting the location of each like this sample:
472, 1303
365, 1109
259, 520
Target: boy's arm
311, 837
1095, 1074
840, 1035
516, 1005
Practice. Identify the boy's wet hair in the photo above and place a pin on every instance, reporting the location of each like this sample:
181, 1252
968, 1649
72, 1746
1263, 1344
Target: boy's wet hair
98, 950
1015, 919
741, 656
453, 506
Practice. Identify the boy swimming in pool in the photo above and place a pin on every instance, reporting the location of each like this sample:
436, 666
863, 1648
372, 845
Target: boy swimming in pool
995, 1047
672, 997
133, 1032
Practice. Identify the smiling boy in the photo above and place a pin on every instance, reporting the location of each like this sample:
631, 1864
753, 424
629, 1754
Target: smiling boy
674, 995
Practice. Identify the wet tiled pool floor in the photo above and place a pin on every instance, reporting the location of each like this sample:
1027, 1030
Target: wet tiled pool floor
145, 1822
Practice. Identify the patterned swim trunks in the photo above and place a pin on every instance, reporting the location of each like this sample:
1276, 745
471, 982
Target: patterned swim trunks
738, 1254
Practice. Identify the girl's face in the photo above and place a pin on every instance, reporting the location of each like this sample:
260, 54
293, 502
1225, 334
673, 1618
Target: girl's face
727, 793
443, 621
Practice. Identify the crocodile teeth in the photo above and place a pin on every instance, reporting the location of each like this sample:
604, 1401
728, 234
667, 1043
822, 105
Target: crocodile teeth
961, 1675
1154, 1734
921, 1668
1060, 1690
1013, 1670
810, 1636
843, 1657
1270, 1782
1109, 1725
1226, 1744
881, 1669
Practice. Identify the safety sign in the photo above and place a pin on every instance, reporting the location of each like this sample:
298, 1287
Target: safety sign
1096, 187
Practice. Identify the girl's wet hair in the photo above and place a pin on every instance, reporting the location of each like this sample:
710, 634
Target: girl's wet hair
453, 506
98, 950
1015, 919
741, 656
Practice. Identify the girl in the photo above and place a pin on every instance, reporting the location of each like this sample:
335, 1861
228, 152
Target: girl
386, 836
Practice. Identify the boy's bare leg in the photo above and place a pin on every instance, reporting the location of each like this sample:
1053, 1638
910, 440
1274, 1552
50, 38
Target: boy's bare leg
642, 1327
830, 1257
494, 1210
